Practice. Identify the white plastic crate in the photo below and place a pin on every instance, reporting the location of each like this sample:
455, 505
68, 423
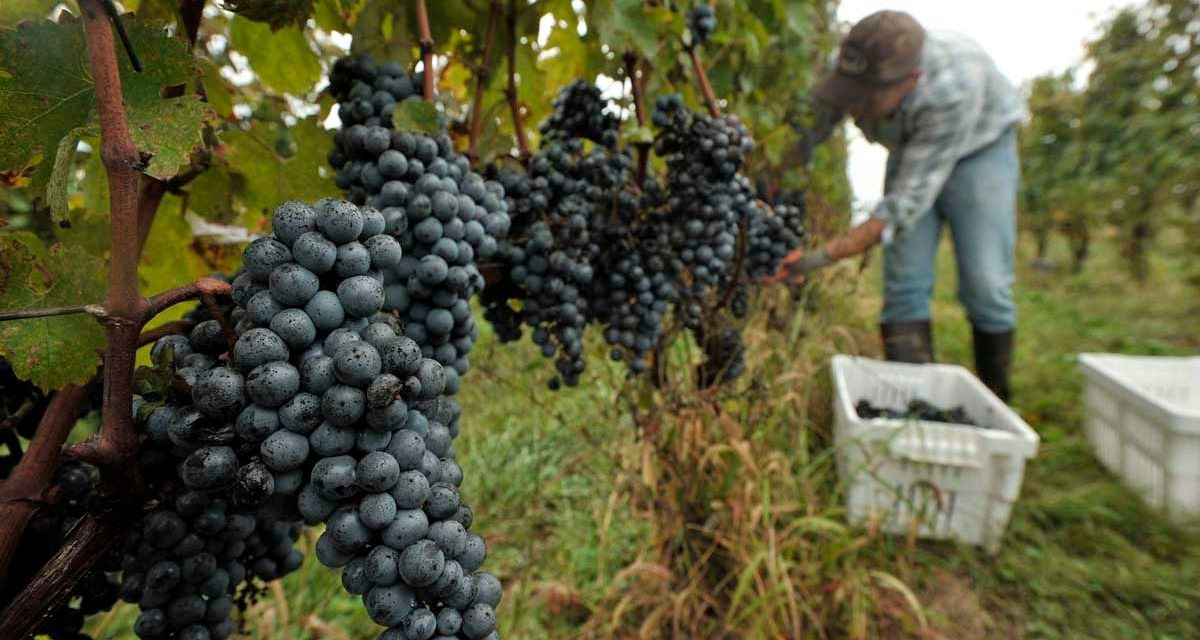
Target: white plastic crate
1142, 415
948, 481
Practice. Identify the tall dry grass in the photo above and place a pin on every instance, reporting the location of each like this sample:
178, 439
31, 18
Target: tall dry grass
740, 488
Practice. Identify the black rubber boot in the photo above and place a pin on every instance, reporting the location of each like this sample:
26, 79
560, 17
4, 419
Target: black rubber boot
993, 360
908, 341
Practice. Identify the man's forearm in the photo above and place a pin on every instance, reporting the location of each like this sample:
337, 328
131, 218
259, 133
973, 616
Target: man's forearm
856, 240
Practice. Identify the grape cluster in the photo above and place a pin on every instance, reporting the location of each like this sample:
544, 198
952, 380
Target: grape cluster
567, 215
917, 409
702, 22
368, 93
324, 412
589, 246
367, 96
709, 199
637, 284
444, 216
579, 112
21, 408
772, 233
182, 566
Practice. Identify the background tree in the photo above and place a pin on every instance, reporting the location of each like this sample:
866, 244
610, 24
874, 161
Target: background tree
1134, 153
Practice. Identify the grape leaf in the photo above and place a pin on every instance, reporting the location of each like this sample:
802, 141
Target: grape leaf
56, 351
210, 197
416, 115
282, 60
263, 178
368, 32
337, 15
171, 257
170, 129
94, 187
216, 89
46, 92
14, 11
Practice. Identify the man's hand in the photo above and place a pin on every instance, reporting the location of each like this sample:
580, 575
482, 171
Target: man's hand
800, 262
855, 241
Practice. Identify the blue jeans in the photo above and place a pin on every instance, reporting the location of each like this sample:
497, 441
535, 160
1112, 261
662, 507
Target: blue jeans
979, 204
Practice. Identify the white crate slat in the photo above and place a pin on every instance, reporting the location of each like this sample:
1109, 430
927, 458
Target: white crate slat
1142, 416
949, 481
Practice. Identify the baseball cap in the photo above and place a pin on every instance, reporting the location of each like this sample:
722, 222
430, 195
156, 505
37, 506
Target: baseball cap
879, 52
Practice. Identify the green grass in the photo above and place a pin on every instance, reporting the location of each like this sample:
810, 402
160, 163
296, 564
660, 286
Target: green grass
1084, 558
560, 491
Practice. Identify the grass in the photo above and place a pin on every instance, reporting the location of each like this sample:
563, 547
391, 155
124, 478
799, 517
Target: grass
720, 517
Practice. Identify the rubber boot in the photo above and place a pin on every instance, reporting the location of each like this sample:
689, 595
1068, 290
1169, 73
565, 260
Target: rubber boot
993, 360
908, 341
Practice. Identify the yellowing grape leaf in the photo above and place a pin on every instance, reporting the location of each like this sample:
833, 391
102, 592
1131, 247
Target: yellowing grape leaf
262, 178
282, 59
14, 11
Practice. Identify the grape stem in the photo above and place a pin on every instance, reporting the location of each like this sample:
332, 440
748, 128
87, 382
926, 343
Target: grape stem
710, 98
426, 43
210, 303
639, 109
483, 74
514, 102
736, 274
178, 327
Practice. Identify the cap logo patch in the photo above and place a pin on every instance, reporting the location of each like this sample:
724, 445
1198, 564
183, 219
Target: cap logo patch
852, 61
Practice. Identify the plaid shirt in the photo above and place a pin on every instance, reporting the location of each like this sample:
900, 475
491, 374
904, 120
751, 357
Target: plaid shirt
961, 104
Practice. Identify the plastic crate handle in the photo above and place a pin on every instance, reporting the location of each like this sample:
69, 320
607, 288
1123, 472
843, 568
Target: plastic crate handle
935, 445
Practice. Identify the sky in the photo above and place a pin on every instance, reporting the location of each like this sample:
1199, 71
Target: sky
1026, 38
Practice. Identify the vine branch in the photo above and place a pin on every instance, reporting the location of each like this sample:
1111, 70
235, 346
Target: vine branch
639, 109
514, 102
21, 491
710, 98
91, 540
115, 447
125, 307
93, 309
426, 47
482, 76
109, 449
